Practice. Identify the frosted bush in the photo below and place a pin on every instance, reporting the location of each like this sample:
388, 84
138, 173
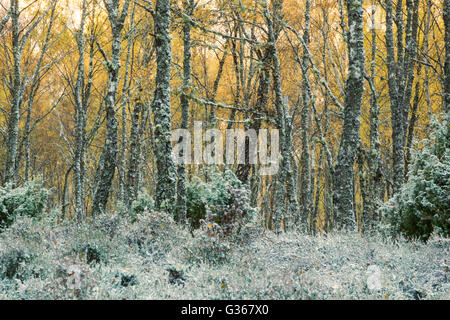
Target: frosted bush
27, 200
13, 263
109, 223
223, 200
207, 246
153, 233
143, 203
91, 252
422, 205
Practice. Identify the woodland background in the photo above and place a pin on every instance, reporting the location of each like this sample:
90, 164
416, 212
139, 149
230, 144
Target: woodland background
92, 204
79, 78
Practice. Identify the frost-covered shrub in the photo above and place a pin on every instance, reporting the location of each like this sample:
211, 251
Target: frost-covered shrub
91, 252
128, 280
13, 263
153, 233
72, 278
248, 233
217, 210
223, 200
109, 223
28, 200
207, 245
144, 202
423, 204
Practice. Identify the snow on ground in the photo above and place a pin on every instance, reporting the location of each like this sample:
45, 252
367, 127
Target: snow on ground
153, 258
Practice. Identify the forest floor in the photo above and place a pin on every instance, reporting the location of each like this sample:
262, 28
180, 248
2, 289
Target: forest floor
153, 258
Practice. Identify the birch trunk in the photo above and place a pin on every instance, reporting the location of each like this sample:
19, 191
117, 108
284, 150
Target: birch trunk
344, 210
16, 91
306, 193
400, 78
285, 194
166, 171
107, 167
371, 182
181, 170
79, 119
447, 58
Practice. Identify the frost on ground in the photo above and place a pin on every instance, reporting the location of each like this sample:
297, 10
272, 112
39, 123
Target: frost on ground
153, 258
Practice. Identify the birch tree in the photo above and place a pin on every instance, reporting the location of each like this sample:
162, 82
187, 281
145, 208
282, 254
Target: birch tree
400, 63
344, 210
19, 78
188, 6
446, 95
166, 172
285, 194
81, 95
306, 193
139, 117
108, 159
371, 182
125, 104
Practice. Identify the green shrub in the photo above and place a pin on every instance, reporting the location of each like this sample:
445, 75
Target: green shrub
207, 246
28, 200
12, 263
92, 252
128, 280
144, 202
422, 205
223, 200
109, 224
153, 233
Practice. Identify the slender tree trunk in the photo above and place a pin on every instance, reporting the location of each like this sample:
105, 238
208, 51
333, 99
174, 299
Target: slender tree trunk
110, 150
306, 193
122, 192
446, 96
343, 174
280, 213
262, 96
16, 93
79, 115
400, 78
166, 171
260, 108
412, 124
371, 182
285, 194
181, 170
64, 202
292, 171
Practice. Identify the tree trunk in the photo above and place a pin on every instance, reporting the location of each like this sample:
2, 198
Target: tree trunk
372, 187
16, 93
181, 170
166, 171
306, 192
400, 78
446, 97
285, 194
110, 150
343, 174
